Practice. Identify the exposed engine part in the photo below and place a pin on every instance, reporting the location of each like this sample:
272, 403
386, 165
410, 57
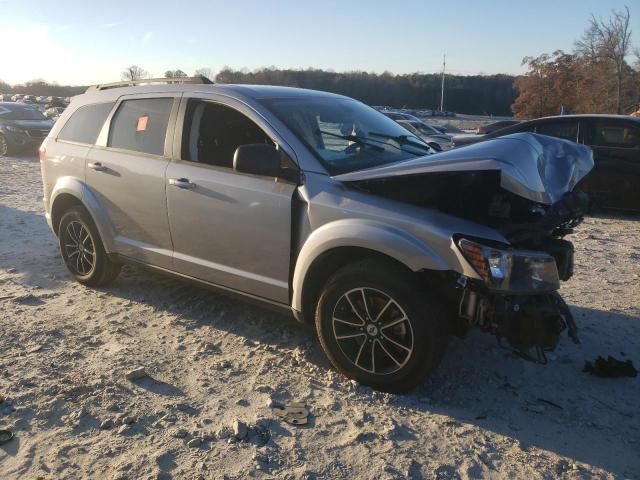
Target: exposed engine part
526, 322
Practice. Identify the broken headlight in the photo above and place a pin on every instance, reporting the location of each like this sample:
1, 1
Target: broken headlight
514, 271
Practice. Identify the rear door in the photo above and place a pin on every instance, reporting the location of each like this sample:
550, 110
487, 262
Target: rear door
228, 228
616, 148
126, 172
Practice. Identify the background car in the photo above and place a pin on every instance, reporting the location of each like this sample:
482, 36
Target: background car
21, 128
615, 141
492, 127
436, 140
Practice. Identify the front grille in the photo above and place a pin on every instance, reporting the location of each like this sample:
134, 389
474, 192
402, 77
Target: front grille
38, 132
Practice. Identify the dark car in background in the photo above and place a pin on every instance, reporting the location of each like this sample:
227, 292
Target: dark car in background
22, 128
615, 141
492, 127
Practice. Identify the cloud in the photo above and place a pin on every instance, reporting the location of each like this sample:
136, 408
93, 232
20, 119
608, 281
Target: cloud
147, 37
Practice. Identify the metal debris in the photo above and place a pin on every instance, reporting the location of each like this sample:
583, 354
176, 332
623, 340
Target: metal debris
294, 413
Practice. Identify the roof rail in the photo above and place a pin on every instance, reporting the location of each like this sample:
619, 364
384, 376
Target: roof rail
149, 81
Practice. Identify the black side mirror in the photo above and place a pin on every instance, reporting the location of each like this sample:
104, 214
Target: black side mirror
257, 159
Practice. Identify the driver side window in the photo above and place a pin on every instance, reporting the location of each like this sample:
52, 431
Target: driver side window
213, 132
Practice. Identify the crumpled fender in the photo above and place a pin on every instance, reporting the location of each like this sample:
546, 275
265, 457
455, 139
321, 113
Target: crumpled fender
80, 190
373, 235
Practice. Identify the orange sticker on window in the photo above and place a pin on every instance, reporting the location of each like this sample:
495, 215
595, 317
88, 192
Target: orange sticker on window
142, 123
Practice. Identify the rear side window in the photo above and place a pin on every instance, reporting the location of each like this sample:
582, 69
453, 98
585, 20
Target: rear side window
141, 125
566, 130
85, 124
616, 135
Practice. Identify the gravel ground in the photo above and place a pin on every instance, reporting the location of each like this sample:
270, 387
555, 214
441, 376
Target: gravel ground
210, 362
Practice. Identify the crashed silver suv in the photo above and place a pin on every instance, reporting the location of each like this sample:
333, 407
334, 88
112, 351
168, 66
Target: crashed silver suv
319, 205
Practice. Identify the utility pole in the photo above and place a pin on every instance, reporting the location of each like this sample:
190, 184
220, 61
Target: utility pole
444, 64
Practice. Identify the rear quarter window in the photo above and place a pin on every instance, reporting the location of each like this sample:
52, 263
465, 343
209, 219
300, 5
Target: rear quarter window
140, 125
85, 123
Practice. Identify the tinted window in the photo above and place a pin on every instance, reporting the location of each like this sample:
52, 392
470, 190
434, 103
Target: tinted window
85, 123
20, 112
616, 135
141, 125
566, 130
213, 132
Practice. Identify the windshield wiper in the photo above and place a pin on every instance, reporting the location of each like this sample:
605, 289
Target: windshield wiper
353, 138
402, 140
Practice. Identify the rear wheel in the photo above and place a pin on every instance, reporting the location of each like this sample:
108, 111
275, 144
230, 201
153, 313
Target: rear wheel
377, 327
82, 249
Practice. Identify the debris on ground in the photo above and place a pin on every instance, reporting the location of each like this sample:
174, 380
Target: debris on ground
136, 374
5, 436
610, 368
294, 413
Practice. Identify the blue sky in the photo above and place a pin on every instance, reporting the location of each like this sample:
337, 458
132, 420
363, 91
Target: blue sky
74, 42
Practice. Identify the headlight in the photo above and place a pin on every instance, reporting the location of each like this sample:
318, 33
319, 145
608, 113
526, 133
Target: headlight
514, 271
11, 128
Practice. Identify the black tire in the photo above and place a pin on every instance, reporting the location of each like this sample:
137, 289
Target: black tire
424, 331
4, 147
82, 249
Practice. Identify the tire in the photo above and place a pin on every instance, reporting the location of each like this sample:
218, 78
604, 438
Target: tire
86, 259
4, 147
354, 338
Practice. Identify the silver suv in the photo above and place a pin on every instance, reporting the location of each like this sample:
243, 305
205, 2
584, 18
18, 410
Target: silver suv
319, 205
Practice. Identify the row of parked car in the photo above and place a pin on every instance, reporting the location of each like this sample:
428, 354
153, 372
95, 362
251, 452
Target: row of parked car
51, 106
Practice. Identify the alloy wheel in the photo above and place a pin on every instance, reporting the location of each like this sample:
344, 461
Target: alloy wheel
79, 249
372, 331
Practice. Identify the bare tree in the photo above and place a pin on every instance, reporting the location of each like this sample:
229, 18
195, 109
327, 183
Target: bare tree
175, 74
610, 41
134, 72
204, 72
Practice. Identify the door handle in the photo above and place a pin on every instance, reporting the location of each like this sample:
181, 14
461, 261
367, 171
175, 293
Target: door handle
98, 167
182, 183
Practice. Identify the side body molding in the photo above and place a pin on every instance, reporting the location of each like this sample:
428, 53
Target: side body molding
77, 188
369, 234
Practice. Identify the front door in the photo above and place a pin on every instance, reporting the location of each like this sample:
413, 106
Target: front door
616, 154
228, 228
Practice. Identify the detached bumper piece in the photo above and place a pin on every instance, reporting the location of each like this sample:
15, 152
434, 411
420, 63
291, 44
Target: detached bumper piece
527, 322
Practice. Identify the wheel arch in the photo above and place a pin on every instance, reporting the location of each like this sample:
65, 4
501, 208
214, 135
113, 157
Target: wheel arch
69, 192
345, 241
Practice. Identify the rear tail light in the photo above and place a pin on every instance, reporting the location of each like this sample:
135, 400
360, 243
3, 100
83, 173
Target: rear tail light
42, 153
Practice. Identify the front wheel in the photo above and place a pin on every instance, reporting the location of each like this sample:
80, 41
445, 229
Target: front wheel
377, 327
82, 249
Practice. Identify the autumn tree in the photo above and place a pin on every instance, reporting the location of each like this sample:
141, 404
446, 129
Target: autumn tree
608, 43
134, 72
595, 78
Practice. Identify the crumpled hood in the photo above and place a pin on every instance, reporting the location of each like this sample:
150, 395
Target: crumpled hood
532, 166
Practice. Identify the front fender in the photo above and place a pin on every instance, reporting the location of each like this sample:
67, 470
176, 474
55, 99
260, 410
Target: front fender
77, 188
369, 234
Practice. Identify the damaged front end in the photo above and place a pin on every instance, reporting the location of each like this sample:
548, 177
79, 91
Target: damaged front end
522, 186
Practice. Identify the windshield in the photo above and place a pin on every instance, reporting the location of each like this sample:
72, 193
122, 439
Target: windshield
346, 135
18, 112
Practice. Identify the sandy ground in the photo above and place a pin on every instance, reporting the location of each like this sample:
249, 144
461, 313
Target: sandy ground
65, 349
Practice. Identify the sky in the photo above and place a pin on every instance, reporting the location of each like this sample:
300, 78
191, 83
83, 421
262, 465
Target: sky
86, 42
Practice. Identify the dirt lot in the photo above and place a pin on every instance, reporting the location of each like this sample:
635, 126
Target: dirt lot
65, 350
